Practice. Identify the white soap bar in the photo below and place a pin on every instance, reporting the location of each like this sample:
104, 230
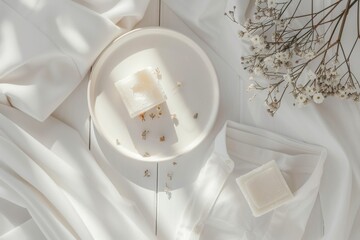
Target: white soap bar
141, 91
264, 188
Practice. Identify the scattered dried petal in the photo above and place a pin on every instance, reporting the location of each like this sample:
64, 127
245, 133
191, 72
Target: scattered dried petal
144, 134
167, 190
170, 175
142, 116
147, 173
318, 98
152, 115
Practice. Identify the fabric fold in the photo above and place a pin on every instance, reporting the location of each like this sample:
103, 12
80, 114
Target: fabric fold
218, 210
48, 46
207, 187
52, 174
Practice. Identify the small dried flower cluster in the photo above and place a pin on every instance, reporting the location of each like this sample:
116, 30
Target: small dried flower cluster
157, 73
152, 115
144, 134
309, 61
147, 173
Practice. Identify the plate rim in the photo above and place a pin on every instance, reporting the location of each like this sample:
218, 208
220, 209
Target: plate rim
211, 122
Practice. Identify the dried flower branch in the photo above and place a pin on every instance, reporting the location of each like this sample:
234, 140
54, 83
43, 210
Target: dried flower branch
302, 53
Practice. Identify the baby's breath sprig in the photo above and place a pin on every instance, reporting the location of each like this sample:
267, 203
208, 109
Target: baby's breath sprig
300, 53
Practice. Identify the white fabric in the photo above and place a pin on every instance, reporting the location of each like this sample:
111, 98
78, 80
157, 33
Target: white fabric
206, 189
47, 169
231, 218
334, 124
27, 230
50, 185
48, 46
115, 9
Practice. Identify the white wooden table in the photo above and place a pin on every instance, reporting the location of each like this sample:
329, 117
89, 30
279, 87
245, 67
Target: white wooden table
145, 183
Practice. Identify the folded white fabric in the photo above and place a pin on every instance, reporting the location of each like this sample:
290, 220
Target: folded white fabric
122, 12
230, 217
207, 188
47, 47
47, 169
26, 231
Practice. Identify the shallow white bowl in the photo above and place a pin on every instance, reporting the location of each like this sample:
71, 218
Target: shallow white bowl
180, 60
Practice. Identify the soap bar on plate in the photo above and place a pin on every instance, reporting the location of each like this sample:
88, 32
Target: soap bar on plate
141, 91
264, 188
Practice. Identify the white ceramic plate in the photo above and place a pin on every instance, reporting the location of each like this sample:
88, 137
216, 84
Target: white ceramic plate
179, 60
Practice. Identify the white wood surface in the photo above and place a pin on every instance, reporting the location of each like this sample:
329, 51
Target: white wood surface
152, 15
162, 209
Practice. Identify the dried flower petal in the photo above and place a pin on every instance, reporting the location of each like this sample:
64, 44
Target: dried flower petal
318, 98
301, 98
271, 3
147, 173
144, 134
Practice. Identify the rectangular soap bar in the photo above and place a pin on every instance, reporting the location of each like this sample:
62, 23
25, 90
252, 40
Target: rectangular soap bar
141, 91
264, 188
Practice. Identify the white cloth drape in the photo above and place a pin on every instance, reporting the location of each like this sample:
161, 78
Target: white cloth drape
238, 149
50, 185
334, 124
47, 169
48, 46
123, 13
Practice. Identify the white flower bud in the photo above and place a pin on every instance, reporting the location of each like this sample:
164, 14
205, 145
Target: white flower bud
318, 98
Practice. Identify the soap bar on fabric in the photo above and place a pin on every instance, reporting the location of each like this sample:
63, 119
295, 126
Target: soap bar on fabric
264, 188
141, 91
